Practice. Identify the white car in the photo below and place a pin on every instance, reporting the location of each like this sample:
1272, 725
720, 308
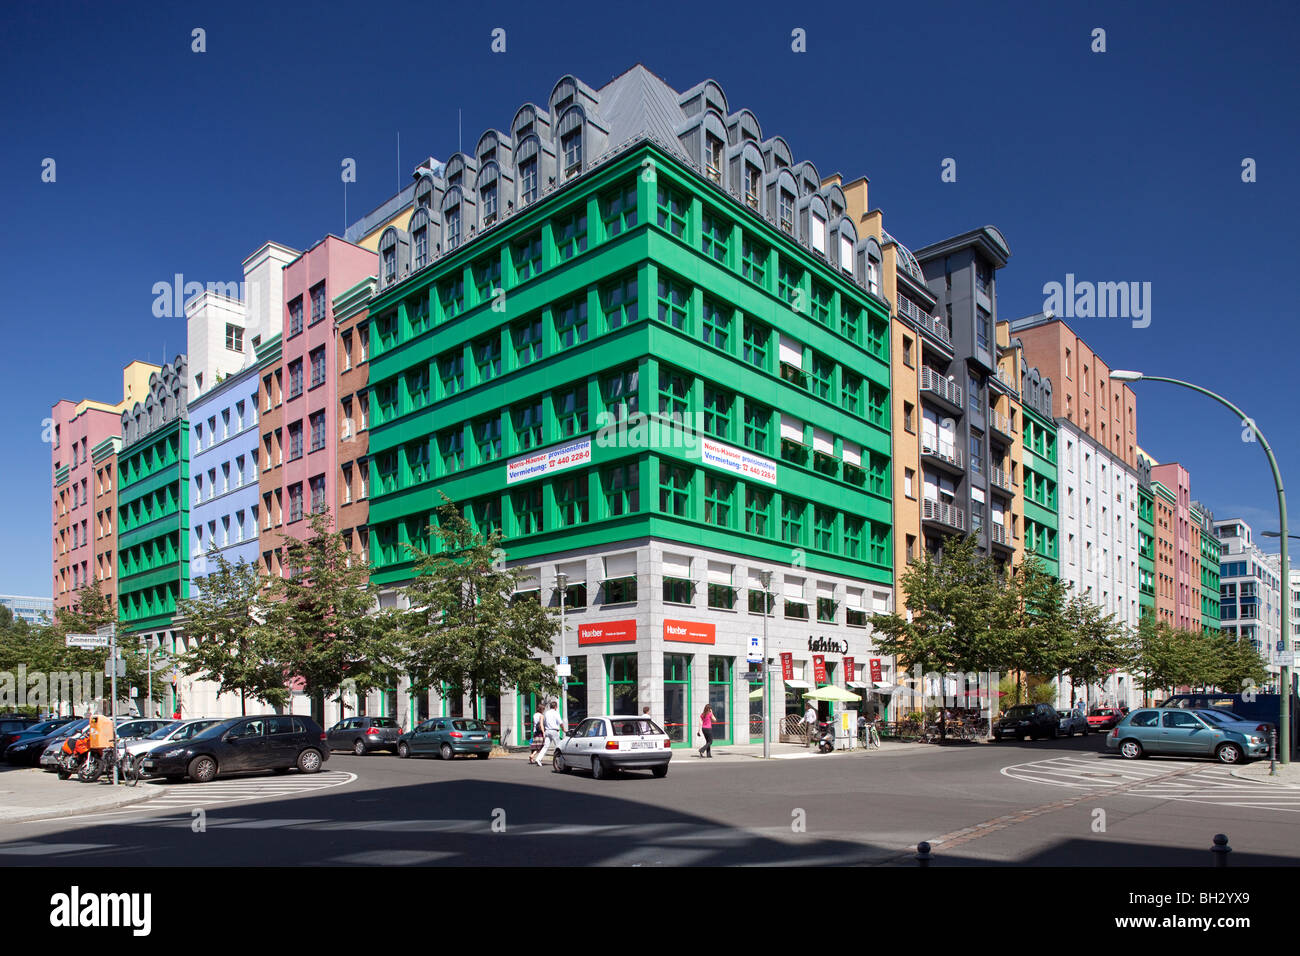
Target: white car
175, 731
606, 745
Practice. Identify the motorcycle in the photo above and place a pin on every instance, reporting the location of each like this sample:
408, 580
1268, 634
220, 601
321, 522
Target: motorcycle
74, 755
825, 739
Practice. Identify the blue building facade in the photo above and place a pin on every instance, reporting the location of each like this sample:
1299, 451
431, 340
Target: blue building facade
33, 610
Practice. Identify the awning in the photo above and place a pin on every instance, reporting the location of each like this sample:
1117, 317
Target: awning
800, 684
855, 683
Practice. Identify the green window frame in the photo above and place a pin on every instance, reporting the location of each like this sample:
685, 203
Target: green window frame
678, 590
715, 236
758, 509
621, 487
878, 474
385, 477
826, 608
821, 375
757, 343
823, 529
878, 336
878, 405
417, 315
852, 537
526, 503
792, 519
753, 261
527, 339
819, 299
417, 387
570, 234
418, 468
674, 393
485, 513
487, 278
451, 372
385, 394
619, 303
851, 392
787, 281
451, 296
716, 324
677, 698
527, 422
717, 412
758, 427
571, 500
571, 409
718, 494
619, 393
674, 302
674, 490
571, 325
620, 590
623, 685
850, 322
385, 328
618, 210
527, 257
487, 436
451, 449
671, 209
487, 357
721, 688
722, 596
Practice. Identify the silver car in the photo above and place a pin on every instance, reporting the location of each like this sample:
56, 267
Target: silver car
177, 731
606, 745
1072, 722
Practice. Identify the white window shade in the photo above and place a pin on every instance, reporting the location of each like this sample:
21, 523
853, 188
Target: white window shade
825, 590
823, 442
576, 571
852, 453
880, 602
791, 428
997, 511
846, 253
676, 565
977, 494
818, 233
527, 582
794, 589
791, 352
620, 566
853, 599
720, 573
756, 583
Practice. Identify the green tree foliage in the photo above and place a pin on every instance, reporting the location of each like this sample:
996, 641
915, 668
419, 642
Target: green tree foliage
465, 626
1098, 644
234, 649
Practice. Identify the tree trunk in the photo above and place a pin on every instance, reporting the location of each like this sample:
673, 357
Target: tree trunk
317, 707
243, 704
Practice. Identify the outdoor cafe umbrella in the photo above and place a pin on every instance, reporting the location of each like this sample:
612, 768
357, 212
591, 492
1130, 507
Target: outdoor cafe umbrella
831, 692
756, 694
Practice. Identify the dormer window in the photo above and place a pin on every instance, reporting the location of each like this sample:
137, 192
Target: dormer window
488, 203
528, 180
753, 180
453, 227
818, 236
453, 180
421, 237
713, 158
786, 209
571, 146
390, 271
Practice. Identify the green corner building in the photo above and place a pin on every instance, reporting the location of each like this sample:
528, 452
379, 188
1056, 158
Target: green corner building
664, 377
1146, 541
153, 507
1041, 474
1208, 586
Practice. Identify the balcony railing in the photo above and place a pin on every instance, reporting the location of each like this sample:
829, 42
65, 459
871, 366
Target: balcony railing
932, 381
947, 453
998, 533
1000, 422
943, 513
1001, 479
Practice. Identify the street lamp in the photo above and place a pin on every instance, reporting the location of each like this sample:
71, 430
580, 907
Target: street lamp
562, 582
1278, 534
766, 578
1284, 717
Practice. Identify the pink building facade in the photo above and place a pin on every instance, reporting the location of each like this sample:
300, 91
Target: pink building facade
309, 364
1187, 567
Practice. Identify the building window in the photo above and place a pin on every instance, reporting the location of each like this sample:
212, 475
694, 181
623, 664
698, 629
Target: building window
714, 236
487, 278
758, 505
295, 502
673, 298
758, 425
757, 338
619, 393
295, 441
717, 501
451, 297
451, 448
823, 529
716, 325
318, 305
571, 147
234, 338
528, 425
452, 220
674, 490
571, 500
852, 537
621, 488
295, 316
753, 186
849, 323
821, 376
318, 503
674, 393
528, 180
451, 372
318, 367
571, 410
487, 357
487, 436
527, 504
671, 208
317, 431
570, 235
619, 303
527, 257
527, 342
753, 261
792, 517
786, 211
619, 210
678, 590
421, 238
488, 203
295, 378
787, 281
571, 323
717, 412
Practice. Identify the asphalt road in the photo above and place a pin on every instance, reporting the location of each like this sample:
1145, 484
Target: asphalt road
1050, 803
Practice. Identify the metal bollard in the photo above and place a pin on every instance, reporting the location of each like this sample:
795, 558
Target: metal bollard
1220, 850
1272, 752
923, 856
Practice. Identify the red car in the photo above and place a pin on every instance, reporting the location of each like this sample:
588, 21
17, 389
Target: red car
1104, 718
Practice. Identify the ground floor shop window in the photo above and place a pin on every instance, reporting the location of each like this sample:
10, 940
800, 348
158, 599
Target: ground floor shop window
390, 703
720, 687
489, 711
576, 692
419, 705
677, 698
453, 701
622, 676
756, 712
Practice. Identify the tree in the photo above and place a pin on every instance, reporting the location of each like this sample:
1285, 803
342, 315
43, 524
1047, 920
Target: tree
90, 611
320, 621
466, 628
1099, 644
1166, 656
1032, 613
1232, 664
234, 649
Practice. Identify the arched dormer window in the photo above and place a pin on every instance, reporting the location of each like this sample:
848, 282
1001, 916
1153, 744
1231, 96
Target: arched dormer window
419, 225
713, 147
571, 129
389, 245
452, 209
424, 193
844, 239
488, 198
816, 225
750, 171
527, 164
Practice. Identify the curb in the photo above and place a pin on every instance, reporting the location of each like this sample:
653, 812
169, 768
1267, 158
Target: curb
1262, 778
121, 800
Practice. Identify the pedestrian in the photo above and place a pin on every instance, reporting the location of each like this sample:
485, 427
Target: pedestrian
810, 722
539, 734
706, 728
551, 726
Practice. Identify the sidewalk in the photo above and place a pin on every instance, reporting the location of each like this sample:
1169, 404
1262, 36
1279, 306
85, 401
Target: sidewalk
1287, 776
778, 751
28, 794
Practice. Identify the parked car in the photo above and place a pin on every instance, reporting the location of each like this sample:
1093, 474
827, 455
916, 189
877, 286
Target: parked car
135, 728
32, 750
1072, 722
606, 745
1182, 732
1028, 720
364, 734
447, 737
1102, 719
31, 731
175, 731
275, 742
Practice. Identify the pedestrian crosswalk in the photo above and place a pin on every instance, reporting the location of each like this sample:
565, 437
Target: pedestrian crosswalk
1158, 779
189, 796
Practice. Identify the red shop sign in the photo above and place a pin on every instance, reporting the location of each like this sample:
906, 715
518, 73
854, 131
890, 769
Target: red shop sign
689, 631
787, 665
607, 632
875, 668
848, 670
819, 669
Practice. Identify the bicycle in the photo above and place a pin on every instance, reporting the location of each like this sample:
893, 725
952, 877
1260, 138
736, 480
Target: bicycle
99, 762
869, 736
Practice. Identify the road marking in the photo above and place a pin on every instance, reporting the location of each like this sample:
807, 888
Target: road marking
189, 796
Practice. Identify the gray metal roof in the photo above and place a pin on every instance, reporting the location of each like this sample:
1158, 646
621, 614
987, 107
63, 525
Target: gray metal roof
638, 103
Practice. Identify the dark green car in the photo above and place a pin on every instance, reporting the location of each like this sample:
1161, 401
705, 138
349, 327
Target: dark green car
447, 737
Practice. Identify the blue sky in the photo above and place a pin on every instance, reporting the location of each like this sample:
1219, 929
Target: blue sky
1115, 166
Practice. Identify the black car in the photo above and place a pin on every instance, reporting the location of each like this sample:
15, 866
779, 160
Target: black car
364, 734
277, 742
1028, 720
27, 752
12, 733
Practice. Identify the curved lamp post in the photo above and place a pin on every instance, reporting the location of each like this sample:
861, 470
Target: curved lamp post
1284, 689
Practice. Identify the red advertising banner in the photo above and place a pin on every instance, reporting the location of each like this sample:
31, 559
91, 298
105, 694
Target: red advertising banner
875, 668
689, 631
607, 632
819, 669
787, 665
848, 670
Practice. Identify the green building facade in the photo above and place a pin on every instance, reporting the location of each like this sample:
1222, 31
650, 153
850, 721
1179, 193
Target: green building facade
1041, 475
1146, 543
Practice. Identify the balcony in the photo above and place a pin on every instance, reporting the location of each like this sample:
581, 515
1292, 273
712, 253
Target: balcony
1002, 480
945, 454
943, 513
946, 390
1000, 423
998, 535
